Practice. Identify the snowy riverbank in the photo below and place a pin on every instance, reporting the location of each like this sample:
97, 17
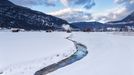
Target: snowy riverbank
109, 54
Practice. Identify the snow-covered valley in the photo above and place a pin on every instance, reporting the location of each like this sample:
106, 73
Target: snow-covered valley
24, 53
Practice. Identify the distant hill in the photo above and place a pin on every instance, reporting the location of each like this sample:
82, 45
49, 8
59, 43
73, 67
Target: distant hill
127, 21
87, 25
14, 16
97, 26
129, 18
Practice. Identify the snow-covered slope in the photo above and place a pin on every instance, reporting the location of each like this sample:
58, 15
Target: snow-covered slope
109, 53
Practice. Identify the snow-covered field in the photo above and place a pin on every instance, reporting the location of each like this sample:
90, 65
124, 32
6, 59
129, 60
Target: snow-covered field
24, 53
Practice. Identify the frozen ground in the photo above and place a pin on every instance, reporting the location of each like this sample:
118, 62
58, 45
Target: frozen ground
109, 54
31, 51
25, 53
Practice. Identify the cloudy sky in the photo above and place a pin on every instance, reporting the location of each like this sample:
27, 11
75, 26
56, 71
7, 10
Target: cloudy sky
82, 10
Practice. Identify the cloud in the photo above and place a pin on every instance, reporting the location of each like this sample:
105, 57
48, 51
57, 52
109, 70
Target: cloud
128, 4
78, 3
72, 15
124, 8
124, 1
68, 3
111, 15
34, 2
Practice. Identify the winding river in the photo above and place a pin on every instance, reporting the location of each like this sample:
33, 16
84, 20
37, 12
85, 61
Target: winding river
81, 52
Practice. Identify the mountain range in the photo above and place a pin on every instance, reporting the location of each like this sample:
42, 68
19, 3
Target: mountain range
97, 26
15, 16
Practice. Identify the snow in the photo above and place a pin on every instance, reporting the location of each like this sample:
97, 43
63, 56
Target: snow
66, 27
26, 52
108, 55
31, 51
